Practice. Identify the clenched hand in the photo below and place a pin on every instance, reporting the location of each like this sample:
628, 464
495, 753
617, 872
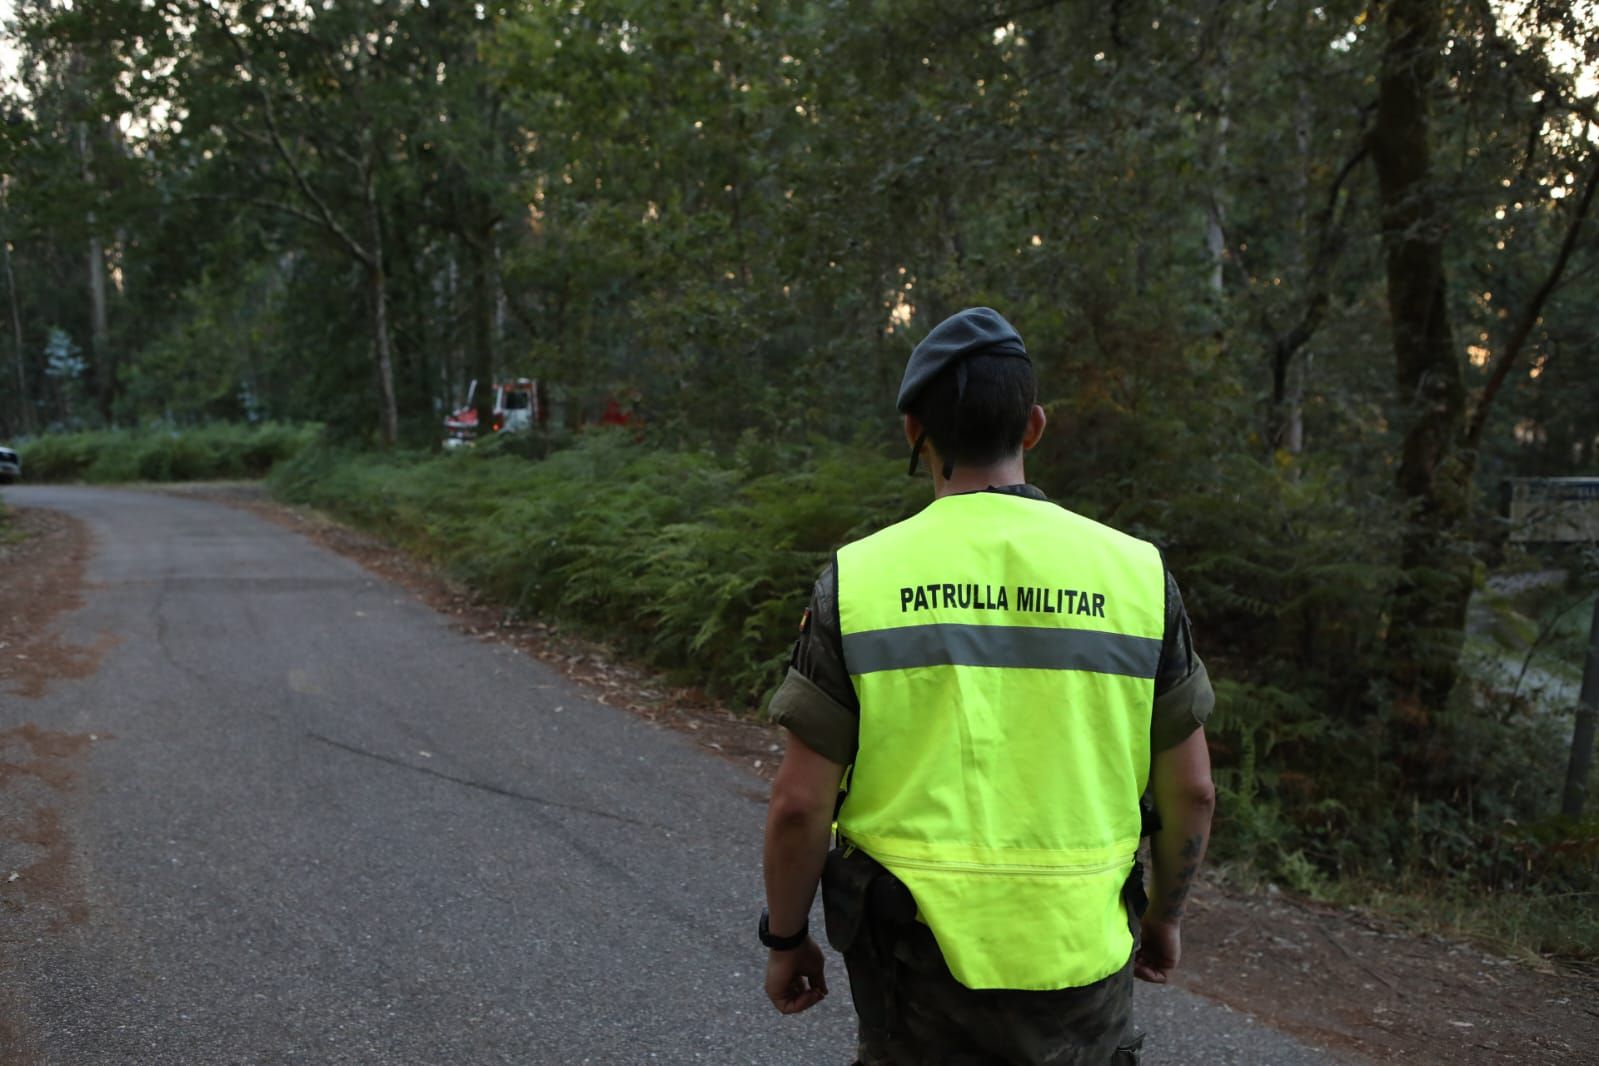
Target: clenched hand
1161, 945
794, 979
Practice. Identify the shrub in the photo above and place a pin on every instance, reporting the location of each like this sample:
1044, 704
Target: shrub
213, 452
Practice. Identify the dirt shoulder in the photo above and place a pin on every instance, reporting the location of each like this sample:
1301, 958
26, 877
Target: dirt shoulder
1360, 982
41, 576
42, 561
1334, 977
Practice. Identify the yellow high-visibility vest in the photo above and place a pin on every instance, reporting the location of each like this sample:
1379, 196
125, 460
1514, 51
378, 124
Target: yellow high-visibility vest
1004, 652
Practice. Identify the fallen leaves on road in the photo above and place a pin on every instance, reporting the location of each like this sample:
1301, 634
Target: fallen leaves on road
43, 892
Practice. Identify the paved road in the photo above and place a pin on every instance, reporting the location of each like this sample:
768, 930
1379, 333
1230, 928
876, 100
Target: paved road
319, 826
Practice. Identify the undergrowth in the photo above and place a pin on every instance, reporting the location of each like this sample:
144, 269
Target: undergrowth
1515, 922
203, 453
1467, 844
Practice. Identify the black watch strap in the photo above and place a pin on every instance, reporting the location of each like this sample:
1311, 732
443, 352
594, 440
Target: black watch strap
782, 943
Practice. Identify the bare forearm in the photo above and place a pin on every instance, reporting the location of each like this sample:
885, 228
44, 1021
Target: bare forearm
796, 848
799, 821
1176, 853
1185, 799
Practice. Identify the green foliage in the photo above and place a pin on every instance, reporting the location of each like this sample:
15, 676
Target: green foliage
216, 452
1533, 924
206, 365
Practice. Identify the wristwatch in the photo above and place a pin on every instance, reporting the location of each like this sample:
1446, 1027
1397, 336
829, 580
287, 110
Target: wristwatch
782, 943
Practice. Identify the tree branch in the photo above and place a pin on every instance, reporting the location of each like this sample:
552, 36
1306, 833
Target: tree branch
1318, 290
513, 303
324, 215
256, 201
1527, 67
1329, 242
1532, 311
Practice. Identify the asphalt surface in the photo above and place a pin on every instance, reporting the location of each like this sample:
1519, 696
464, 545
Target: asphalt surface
320, 826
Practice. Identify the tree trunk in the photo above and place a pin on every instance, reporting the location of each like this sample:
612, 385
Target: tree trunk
502, 306
1216, 214
482, 357
1286, 428
24, 408
456, 374
99, 326
1576, 790
1429, 608
382, 349
1291, 368
382, 354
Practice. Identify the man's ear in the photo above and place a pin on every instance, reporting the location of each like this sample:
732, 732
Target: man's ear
913, 429
1036, 420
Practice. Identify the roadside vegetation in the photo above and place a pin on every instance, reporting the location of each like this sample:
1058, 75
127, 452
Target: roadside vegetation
204, 453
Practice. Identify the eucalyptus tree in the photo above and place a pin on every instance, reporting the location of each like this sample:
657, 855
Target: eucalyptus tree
307, 106
648, 253
470, 157
70, 185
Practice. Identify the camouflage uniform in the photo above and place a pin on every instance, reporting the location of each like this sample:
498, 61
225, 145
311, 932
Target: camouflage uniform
912, 1011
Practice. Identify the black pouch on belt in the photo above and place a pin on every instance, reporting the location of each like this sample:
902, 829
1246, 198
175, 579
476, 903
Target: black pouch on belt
866, 908
1134, 895
847, 879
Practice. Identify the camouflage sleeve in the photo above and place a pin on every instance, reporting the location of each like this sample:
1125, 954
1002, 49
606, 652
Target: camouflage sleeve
1183, 696
816, 701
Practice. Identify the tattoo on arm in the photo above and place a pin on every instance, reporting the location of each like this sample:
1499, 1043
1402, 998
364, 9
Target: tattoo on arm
1177, 895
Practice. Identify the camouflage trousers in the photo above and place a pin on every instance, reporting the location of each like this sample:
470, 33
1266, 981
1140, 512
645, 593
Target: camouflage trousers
917, 1014
914, 1013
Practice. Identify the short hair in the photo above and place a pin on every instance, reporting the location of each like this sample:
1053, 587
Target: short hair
984, 422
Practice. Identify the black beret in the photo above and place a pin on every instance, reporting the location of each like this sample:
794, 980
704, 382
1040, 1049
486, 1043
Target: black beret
974, 331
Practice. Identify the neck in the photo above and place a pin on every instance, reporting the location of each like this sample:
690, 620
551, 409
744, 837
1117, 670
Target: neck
977, 478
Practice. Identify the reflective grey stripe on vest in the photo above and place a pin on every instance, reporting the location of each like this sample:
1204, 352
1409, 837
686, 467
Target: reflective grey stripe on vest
1024, 647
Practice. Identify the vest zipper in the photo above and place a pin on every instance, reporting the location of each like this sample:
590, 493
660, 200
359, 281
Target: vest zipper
1015, 869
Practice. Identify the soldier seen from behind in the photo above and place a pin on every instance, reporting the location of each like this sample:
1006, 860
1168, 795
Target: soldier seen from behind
995, 683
